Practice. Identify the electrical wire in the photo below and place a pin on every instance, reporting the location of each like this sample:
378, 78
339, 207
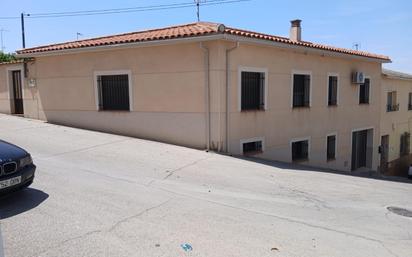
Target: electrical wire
123, 10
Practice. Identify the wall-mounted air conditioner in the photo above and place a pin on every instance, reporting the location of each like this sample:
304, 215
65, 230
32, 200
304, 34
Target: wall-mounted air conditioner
358, 78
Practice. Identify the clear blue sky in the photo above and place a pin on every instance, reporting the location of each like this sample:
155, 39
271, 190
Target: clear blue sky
380, 26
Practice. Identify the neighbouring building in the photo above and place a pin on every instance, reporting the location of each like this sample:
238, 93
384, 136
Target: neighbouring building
396, 123
208, 86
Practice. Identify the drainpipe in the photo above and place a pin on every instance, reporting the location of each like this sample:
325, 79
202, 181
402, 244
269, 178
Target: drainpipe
207, 94
228, 51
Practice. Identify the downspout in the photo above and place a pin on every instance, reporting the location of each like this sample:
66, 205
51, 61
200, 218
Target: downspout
228, 51
207, 94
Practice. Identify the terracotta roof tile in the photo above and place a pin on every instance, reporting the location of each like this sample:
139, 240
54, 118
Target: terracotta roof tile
185, 31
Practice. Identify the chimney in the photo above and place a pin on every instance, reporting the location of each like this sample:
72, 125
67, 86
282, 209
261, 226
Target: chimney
295, 30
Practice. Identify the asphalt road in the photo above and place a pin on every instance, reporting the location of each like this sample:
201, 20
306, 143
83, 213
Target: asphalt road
97, 194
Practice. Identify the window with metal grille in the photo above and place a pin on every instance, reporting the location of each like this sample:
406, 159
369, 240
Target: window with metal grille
333, 91
391, 105
364, 90
331, 147
300, 151
113, 92
410, 102
253, 91
252, 147
405, 143
301, 90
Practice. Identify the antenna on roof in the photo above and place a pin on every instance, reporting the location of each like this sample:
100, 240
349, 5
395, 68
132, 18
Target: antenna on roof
78, 34
198, 2
356, 46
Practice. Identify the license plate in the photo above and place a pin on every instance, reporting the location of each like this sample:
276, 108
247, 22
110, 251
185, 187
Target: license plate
10, 182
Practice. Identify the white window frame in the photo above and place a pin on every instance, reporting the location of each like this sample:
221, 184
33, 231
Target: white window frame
300, 72
336, 145
9, 80
396, 96
239, 89
332, 74
370, 91
113, 72
294, 140
249, 140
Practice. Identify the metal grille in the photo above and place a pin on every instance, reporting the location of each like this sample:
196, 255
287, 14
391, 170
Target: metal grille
300, 150
405, 144
17, 92
113, 92
333, 90
364, 92
9, 167
331, 147
301, 90
252, 147
253, 90
410, 102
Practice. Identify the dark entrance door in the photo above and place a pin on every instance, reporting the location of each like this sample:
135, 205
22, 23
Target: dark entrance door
17, 92
359, 149
384, 154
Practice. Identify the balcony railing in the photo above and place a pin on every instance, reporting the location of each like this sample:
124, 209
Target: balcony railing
392, 107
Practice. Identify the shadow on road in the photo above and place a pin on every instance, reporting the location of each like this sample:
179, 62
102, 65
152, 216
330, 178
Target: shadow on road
21, 201
297, 167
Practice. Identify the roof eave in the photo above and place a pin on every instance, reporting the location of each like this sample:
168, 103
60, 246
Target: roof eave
218, 36
304, 49
122, 46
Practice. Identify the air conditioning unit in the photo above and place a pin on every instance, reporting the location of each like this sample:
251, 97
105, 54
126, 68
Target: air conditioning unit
358, 78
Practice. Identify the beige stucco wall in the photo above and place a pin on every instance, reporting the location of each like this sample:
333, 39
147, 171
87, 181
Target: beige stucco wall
167, 87
5, 83
280, 123
169, 98
396, 123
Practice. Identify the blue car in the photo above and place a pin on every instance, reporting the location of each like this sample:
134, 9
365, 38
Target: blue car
16, 168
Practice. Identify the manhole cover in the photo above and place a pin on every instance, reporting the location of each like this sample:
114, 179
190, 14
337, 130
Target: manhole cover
401, 211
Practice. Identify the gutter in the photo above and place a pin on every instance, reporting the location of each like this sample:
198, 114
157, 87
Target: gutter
207, 93
228, 51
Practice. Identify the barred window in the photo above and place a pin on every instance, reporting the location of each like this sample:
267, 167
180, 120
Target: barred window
405, 143
392, 105
410, 102
253, 91
300, 150
331, 148
301, 90
252, 147
333, 91
113, 92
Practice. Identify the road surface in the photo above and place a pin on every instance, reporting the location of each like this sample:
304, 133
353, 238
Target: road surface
98, 194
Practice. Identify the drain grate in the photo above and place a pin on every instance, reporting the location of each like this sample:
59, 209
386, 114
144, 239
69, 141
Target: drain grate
400, 211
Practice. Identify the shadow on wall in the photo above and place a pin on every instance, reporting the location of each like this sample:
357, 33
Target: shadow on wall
20, 202
303, 168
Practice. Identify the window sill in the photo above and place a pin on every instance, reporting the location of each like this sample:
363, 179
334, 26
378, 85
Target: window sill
301, 107
333, 105
253, 110
123, 111
300, 160
364, 104
331, 160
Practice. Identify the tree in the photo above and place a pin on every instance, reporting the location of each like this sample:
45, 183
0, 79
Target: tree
7, 57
